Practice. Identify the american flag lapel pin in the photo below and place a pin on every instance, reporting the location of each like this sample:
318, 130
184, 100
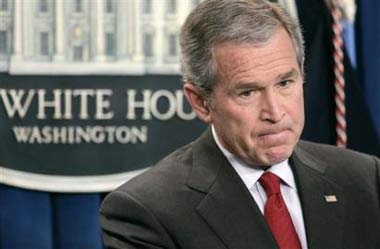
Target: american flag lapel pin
331, 198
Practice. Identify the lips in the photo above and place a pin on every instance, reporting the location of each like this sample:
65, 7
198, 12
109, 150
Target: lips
274, 137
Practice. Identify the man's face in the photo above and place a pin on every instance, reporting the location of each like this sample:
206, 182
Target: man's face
257, 102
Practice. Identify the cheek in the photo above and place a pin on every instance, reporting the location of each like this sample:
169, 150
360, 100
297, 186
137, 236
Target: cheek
296, 107
300, 112
245, 121
239, 125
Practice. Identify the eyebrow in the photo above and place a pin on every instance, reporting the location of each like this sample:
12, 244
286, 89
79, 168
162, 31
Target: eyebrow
256, 85
292, 73
250, 85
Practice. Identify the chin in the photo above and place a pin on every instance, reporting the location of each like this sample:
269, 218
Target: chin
276, 159
278, 155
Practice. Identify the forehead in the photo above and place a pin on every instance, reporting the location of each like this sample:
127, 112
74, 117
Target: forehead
269, 59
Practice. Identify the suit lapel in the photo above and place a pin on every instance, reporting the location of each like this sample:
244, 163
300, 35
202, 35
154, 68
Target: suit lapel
323, 215
231, 212
228, 207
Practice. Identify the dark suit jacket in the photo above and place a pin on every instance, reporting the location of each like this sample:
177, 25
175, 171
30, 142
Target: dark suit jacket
194, 199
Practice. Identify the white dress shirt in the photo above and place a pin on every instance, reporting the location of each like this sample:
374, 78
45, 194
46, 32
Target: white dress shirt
250, 176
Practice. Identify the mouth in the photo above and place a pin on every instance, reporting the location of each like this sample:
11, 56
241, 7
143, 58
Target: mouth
274, 137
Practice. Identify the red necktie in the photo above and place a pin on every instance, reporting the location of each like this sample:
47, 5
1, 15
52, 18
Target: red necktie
277, 215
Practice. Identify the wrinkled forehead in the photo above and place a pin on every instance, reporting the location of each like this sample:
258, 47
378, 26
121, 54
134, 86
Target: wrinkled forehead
278, 50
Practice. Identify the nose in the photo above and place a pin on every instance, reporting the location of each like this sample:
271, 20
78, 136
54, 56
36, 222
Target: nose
271, 108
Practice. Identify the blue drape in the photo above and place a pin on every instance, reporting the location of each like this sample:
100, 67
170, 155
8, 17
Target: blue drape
368, 39
320, 122
40, 220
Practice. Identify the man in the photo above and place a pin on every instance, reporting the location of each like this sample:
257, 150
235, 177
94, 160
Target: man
247, 182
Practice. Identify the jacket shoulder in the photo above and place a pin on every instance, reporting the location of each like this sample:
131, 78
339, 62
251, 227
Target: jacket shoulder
334, 153
168, 173
345, 164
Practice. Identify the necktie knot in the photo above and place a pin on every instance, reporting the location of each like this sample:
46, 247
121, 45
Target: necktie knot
270, 183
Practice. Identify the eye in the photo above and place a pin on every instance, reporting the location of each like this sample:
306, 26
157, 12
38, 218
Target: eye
285, 83
246, 93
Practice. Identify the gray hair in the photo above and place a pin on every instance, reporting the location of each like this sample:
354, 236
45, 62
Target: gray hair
241, 21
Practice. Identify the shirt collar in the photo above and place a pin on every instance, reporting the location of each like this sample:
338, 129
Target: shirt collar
249, 174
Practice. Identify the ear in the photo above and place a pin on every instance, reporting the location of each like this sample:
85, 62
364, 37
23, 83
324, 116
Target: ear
199, 104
